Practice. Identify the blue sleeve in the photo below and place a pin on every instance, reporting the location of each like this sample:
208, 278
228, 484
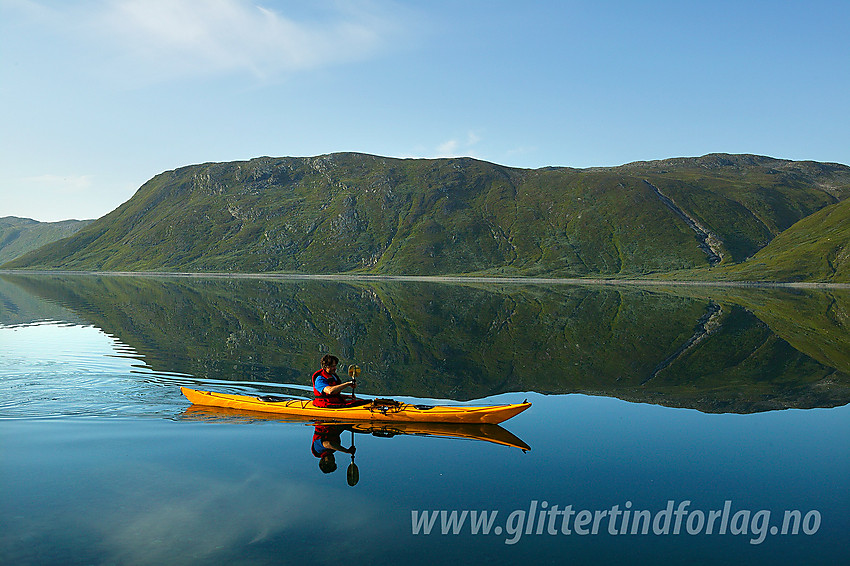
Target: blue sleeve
321, 383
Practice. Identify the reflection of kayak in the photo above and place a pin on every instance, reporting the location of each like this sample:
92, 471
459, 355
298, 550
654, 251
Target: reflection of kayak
375, 410
472, 431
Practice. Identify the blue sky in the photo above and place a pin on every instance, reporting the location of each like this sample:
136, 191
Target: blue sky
97, 96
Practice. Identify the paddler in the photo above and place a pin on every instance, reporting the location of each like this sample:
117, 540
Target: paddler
328, 387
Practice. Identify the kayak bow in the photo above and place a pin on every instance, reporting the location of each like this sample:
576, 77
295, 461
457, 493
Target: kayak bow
375, 410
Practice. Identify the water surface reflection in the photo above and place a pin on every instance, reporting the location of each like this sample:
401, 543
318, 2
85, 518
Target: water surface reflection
105, 462
327, 436
716, 350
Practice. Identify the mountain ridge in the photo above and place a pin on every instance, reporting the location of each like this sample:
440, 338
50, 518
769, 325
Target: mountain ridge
354, 212
21, 235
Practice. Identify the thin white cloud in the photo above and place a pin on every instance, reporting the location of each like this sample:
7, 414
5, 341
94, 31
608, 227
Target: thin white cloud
192, 525
172, 515
155, 40
457, 147
215, 36
448, 149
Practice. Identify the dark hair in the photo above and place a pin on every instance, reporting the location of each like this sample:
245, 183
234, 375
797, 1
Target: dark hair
328, 360
327, 463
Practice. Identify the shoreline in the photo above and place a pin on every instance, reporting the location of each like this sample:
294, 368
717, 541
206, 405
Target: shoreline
343, 277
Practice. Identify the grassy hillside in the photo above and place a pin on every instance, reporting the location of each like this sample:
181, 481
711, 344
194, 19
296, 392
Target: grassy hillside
353, 212
21, 235
747, 200
816, 248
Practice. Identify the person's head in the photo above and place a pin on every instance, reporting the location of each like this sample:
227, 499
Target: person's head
329, 361
327, 463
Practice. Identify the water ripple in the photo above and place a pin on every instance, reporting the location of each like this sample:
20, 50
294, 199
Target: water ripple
59, 369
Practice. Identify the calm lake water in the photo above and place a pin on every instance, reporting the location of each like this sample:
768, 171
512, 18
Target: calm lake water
675, 426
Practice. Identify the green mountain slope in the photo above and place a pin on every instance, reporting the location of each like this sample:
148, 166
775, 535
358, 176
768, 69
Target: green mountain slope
747, 200
816, 248
354, 212
21, 235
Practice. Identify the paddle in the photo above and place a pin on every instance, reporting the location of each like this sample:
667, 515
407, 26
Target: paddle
353, 474
353, 373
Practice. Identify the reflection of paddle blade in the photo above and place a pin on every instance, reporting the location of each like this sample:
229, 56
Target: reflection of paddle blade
353, 474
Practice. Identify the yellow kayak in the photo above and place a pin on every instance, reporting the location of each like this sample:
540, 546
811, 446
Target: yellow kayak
374, 410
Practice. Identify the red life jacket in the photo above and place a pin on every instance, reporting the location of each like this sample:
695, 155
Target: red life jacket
321, 398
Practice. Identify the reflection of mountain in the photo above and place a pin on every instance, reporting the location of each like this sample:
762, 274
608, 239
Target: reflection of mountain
463, 342
19, 307
811, 321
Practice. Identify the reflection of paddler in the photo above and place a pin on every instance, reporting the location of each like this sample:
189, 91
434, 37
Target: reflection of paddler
326, 441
